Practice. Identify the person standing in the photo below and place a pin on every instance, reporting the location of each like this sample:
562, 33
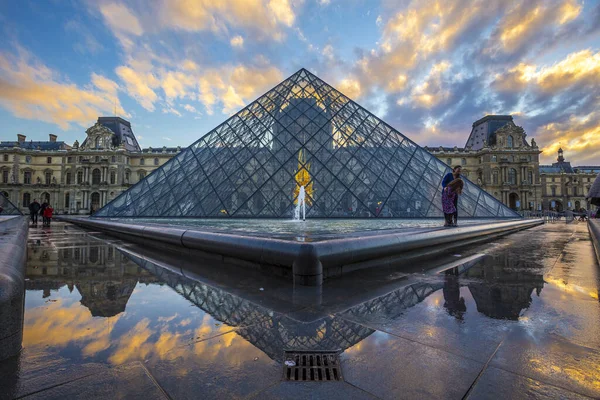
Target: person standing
48, 215
449, 195
34, 209
42, 210
450, 176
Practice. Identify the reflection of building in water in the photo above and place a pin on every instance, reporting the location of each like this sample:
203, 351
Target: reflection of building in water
504, 285
269, 331
103, 276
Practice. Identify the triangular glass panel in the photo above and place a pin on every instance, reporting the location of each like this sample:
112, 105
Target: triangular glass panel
303, 132
8, 208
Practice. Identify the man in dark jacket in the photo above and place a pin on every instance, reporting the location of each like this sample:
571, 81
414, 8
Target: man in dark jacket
42, 208
450, 176
34, 209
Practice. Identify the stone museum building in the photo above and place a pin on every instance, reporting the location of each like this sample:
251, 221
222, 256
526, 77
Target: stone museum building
80, 177
565, 187
498, 158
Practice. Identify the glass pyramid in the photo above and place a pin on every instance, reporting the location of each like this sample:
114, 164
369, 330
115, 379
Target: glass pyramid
303, 132
7, 207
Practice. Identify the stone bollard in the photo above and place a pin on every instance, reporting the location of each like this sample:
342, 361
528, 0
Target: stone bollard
13, 254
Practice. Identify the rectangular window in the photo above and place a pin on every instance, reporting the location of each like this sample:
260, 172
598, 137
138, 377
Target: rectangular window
69, 159
49, 160
68, 178
48, 178
5, 176
574, 190
553, 191
27, 177
6, 158
113, 178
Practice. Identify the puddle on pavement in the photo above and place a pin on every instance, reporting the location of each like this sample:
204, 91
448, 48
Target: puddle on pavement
89, 300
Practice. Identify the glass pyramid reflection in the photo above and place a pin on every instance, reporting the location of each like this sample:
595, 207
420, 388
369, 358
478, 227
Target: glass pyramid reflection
301, 132
7, 207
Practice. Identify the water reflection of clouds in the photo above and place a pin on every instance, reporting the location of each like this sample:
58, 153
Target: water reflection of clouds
143, 332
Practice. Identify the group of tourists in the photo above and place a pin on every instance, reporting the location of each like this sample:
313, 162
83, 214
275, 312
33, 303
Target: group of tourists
44, 209
452, 186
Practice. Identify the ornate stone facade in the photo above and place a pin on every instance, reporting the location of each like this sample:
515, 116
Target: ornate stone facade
76, 178
499, 159
565, 187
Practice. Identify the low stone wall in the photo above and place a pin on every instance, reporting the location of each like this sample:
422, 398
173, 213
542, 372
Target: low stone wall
13, 254
594, 228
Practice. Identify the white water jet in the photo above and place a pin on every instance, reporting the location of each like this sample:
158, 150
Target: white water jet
301, 205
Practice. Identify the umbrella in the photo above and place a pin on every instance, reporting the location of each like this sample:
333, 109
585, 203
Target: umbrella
594, 194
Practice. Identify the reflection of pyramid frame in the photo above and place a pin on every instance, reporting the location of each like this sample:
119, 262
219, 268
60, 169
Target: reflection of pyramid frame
8, 208
246, 167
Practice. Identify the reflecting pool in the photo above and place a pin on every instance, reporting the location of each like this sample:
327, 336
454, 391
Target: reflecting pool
216, 332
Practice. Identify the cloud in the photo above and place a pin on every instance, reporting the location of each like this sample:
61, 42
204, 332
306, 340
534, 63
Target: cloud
350, 87
166, 138
122, 22
139, 86
190, 108
31, 90
237, 41
328, 52
264, 18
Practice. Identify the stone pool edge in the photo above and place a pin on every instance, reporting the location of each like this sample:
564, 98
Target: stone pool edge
594, 229
13, 255
311, 262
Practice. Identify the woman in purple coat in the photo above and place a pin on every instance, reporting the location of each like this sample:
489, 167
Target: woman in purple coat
449, 195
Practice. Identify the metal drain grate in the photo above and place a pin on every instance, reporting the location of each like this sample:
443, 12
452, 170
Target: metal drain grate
312, 366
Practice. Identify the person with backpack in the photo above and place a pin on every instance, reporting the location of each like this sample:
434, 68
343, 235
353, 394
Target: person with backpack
34, 209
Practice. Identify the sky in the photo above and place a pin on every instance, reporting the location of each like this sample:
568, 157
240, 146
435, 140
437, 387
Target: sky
178, 68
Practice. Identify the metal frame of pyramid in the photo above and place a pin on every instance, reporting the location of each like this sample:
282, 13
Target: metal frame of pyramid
352, 164
8, 208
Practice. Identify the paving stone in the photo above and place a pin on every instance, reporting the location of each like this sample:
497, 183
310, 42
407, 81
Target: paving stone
495, 384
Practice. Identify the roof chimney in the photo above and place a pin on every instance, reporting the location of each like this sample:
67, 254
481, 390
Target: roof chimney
21, 138
52, 137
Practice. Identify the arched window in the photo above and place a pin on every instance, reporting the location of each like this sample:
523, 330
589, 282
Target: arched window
68, 178
463, 161
95, 200
96, 176
80, 177
495, 177
509, 142
156, 161
113, 177
512, 176
126, 176
141, 175
142, 161
26, 199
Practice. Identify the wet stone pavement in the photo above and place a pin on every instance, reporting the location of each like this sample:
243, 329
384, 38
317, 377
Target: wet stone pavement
515, 318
